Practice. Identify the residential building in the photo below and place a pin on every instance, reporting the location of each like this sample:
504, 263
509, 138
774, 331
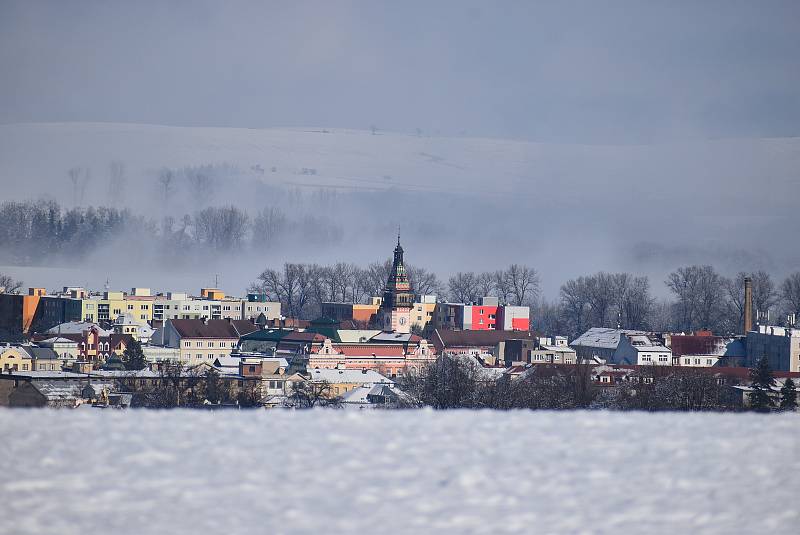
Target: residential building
201, 340
620, 346
486, 314
487, 345
17, 313
15, 359
343, 380
702, 349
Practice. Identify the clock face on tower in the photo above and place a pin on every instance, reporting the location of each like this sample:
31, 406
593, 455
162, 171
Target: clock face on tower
402, 321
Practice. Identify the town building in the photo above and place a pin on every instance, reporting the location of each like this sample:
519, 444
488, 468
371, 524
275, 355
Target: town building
394, 314
780, 345
621, 346
202, 340
486, 314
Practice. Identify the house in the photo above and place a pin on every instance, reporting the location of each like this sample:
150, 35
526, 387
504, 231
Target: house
488, 345
45, 393
94, 344
202, 340
621, 346
705, 350
377, 396
127, 324
67, 349
15, 359
486, 314
343, 380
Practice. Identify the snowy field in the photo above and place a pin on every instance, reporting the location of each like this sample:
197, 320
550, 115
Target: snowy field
397, 472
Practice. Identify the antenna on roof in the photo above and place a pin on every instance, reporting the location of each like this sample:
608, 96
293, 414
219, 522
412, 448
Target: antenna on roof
216, 280
398, 234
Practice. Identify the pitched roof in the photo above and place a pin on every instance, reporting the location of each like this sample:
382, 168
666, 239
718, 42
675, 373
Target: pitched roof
41, 353
348, 376
699, 345
603, 337
443, 339
197, 328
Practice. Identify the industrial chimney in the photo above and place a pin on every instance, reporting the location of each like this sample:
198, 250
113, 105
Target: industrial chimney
748, 304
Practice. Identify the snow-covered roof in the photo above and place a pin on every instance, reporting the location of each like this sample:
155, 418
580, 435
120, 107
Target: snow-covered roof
348, 376
58, 340
603, 337
353, 336
77, 327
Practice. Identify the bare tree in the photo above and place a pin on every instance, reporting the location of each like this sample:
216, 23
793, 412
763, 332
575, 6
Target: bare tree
166, 179
8, 285
464, 287
575, 305
699, 291
310, 394
523, 283
485, 283
223, 228
268, 226
502, 286
291, 286
116, 180
375, 277
423, 282
79, 177
765, 297
200, 182
790, 293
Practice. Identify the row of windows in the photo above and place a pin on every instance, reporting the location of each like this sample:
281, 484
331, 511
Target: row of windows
209, 344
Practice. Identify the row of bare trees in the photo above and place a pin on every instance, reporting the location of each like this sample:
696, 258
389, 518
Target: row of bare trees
455, 382
302, 288
702, 299
517, 285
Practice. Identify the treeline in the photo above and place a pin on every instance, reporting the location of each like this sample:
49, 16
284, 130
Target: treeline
35, 232
702, 298
460, 382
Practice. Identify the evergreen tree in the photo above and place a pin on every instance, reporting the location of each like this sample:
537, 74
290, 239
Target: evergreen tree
133, 357
761, 382
788, 396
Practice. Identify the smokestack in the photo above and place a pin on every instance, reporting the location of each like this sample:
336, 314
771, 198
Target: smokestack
748, 304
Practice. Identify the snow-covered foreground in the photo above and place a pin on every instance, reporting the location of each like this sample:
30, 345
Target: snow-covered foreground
397, 472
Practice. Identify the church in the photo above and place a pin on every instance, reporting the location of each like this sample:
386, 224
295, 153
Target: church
394, 314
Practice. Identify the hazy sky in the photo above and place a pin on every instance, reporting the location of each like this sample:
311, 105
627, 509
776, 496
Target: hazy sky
595, 72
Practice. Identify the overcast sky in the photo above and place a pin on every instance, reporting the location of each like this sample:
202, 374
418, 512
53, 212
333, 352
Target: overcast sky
598, 72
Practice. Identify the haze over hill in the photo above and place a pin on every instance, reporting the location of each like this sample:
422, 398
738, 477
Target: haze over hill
566, 209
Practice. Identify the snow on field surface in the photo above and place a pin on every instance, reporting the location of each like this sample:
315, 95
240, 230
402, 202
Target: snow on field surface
397, 472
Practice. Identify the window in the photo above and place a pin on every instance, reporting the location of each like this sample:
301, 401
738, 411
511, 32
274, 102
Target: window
198, 344
687, 361
211, 344
187, 344
251, 369
130, 307
708, 362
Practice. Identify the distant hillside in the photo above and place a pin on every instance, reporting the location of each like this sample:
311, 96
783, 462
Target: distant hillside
641, 208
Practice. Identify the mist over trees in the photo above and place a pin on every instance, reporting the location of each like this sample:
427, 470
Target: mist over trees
35, 232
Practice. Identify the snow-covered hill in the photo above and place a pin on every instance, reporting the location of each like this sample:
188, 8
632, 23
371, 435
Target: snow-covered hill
397, 472
641, 208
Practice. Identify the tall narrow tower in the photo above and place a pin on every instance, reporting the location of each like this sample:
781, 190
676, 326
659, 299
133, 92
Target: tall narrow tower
395, 311
748, 305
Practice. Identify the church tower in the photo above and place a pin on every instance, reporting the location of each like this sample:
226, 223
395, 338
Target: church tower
395, 311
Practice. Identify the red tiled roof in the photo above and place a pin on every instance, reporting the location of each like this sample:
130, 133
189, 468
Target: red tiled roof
697, 345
